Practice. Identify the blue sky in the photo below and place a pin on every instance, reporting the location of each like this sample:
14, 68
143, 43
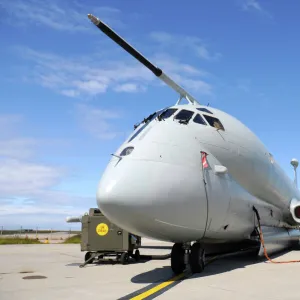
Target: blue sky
70, 96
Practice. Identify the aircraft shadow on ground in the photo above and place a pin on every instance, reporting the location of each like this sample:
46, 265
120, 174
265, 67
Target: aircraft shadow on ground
222, 265
107, 262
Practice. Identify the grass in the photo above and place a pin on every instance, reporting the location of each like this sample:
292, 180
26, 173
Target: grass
15, 241
24, 231
76, 239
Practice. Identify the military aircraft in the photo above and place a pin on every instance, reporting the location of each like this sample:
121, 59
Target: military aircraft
199, 178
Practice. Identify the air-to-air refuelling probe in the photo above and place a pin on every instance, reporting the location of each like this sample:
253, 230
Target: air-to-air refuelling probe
196, 176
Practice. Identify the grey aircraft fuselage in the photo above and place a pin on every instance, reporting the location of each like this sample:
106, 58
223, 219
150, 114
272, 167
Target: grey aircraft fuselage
161, 190
158, 184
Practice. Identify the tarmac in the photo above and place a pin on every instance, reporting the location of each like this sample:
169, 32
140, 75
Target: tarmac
51, 271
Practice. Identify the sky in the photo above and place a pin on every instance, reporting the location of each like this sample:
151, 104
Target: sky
69, 96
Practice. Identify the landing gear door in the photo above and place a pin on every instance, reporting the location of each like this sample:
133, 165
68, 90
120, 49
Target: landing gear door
217, 183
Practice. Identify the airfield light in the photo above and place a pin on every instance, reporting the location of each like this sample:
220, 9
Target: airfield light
295, 163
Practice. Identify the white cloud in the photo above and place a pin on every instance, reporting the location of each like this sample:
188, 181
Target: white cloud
91, 75
42, 214
94, 74
172, 65
37, 210
244, 85
251, 4
9, 124
195, 85
129, 88
9, 120
27, 193
21, 178
11, 145
203, 52
98, 122
27, 190
185, 75
64, 16
25, 181
92, 87
254, 6
84, 75
194, 44
70, 93
17, 147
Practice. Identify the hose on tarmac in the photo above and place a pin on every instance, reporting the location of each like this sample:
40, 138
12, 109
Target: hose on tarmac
261, 237
156, 257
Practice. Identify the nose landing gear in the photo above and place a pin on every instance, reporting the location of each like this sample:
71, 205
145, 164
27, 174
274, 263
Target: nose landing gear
197, 258
184, 256
177, 258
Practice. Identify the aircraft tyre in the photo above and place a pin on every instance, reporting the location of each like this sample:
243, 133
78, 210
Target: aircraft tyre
197, 258
177, 259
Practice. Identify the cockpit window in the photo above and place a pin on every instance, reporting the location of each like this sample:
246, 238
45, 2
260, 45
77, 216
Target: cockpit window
198, 119
167, 113
205, 110
214, 122
184, 116
146, 122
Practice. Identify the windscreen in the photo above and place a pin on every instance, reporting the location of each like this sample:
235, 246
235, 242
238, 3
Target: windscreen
184, 116
214, 122
198, 119
167, 113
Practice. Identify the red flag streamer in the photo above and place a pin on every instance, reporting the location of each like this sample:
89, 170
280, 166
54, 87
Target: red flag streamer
204, 161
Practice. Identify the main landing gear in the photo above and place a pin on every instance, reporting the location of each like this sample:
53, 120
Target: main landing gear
185, 255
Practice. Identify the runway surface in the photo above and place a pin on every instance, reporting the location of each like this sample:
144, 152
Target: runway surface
51, 271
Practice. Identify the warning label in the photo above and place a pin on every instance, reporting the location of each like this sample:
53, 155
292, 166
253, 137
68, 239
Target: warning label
102, 229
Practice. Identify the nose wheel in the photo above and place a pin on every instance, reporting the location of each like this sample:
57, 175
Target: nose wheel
185, 255
197, 258
177, 258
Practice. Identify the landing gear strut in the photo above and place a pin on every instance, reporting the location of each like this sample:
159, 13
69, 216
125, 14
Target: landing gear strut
184, 256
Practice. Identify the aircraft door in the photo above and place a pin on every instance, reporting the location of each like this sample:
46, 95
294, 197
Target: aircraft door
217, 184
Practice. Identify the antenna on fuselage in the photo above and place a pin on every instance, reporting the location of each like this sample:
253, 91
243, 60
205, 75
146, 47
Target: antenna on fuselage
295, 163
155, 70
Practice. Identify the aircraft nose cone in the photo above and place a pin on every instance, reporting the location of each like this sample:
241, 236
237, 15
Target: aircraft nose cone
154, 199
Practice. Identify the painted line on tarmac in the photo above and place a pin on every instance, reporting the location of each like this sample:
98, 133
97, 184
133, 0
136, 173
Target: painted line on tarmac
160, 287
151, 291
155, 289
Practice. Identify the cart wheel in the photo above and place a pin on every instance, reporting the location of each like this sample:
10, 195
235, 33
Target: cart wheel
137, 255
87, 257
124, 258
130, 253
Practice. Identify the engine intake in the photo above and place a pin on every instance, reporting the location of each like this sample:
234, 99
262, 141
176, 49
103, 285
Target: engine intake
297, 212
